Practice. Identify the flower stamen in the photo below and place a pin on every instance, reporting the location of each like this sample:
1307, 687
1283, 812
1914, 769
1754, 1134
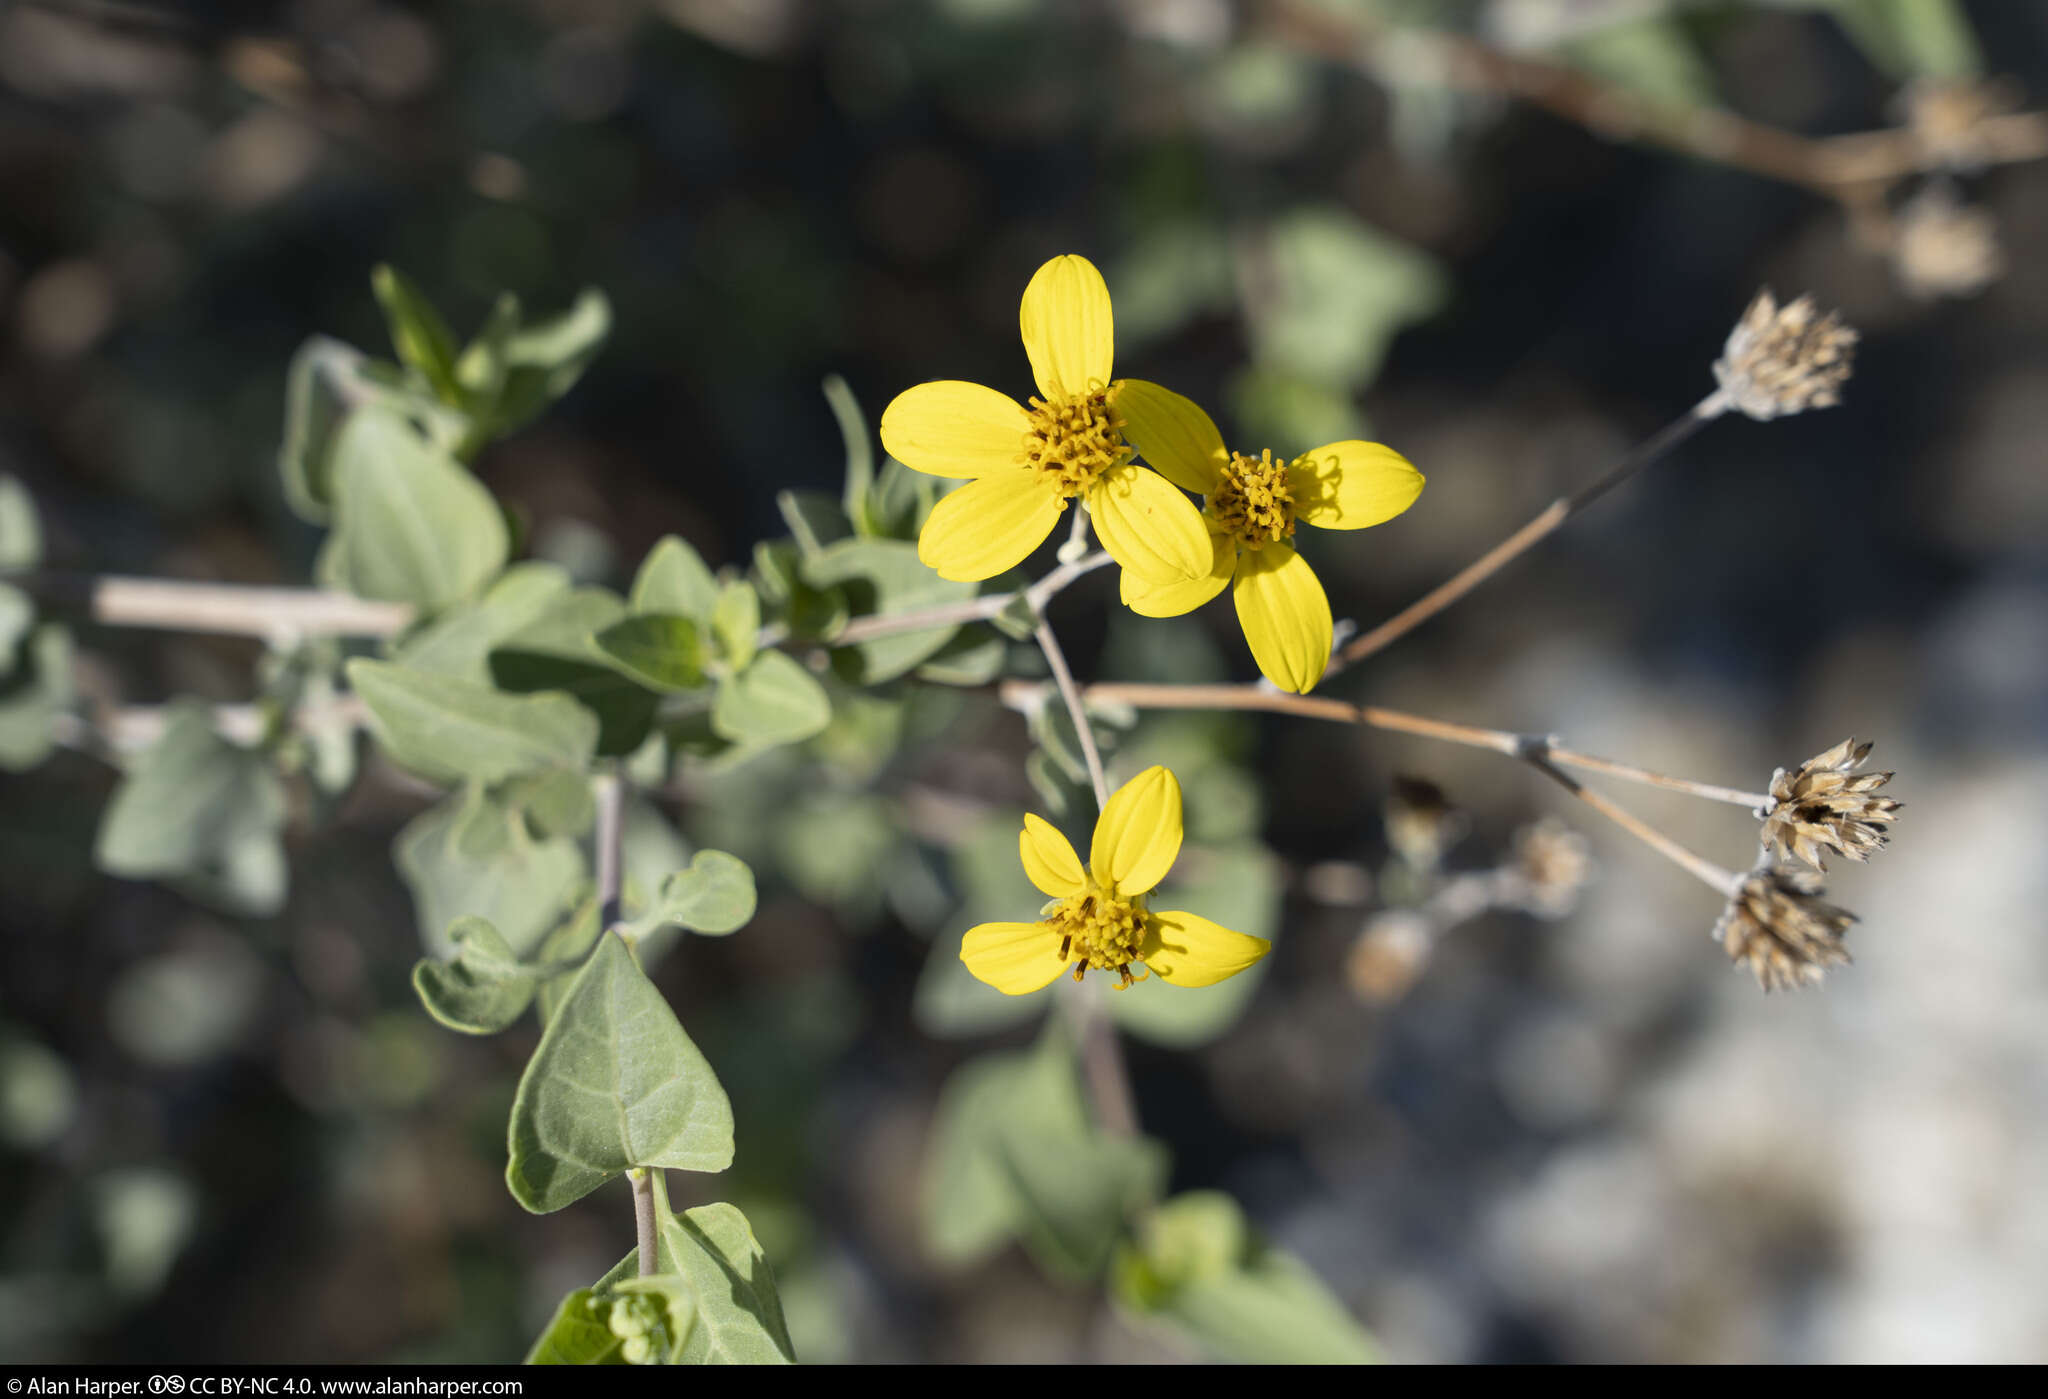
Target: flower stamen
1099, 932
1253, 503
1074, 440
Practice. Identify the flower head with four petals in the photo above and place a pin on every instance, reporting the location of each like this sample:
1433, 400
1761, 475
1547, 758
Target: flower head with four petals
1023, 465
1252, 506
1098, 919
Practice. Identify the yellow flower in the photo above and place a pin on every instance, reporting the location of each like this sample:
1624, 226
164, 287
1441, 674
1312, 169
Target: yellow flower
1252, 507
1098, 918
1024, 465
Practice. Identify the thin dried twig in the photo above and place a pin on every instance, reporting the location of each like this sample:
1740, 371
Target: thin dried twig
1853, 168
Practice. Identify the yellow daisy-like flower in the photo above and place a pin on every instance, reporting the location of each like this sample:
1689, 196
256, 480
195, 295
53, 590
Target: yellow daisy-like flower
1252, 506
1024, 464
1098, 918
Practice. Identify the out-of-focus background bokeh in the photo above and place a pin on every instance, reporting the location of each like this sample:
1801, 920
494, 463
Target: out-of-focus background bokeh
1574, 1137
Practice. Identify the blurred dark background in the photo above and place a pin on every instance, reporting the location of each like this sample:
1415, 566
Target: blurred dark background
1578, 1138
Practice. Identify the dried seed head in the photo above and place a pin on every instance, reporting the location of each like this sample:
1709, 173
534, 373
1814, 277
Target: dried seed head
1389, 955
1786, 359
1824, 804
1421, 822
1552, 863
1949, 117
1942, 246
1777, 924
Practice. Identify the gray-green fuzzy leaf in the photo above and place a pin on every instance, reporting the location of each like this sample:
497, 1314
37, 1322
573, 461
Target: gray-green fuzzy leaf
614, 1083
775, 700
484, 989
453, 730
674, 578
410, 523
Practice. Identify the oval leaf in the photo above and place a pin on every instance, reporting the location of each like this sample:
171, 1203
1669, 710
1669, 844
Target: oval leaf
451, 730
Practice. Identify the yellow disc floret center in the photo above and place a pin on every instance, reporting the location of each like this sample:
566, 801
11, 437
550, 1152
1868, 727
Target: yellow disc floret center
1074, 439
1254, 504
1099, 931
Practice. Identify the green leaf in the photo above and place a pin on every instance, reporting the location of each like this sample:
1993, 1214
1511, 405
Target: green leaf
675, 579
544, 360
410, 524
192, 804
469, 854
663, 651
736, 622
554, 801
814, 519
1196, 1266
326, 383
1015, 1155
419, 334
556, 651
484, 989
739, 1313
774, 700
1913, 38
17, 620
33, 696
809, 614
899, 502
860, 452
460, 640
453, 730
614, 1083
579, 1333
570, 944
973, 657
715, 895
1653, 56
1339, 290
884, 577
21, 532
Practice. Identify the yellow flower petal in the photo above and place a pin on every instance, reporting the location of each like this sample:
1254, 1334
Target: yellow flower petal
953, 428
1149, 527
1049, 860
1137, 836
1285, 616
1350, 485
1015, 958
1172, 434
990, 525
1173, 599
1069, 329
1191, 951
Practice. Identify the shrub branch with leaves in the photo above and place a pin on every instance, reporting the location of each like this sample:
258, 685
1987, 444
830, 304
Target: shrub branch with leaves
544, 714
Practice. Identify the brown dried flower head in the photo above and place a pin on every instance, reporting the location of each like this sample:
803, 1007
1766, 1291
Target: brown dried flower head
1825, 804
1786, 359
1552, 863
1389, 955
1777, 925
1421, 822
1951, 118
1942, 246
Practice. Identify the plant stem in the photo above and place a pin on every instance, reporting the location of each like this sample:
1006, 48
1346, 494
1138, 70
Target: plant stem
610, 793
643, 1218
1069, 692
1841, 167
1515, 545
1702, 869
1020, 694
167, 604
977, 609
1102, 1063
